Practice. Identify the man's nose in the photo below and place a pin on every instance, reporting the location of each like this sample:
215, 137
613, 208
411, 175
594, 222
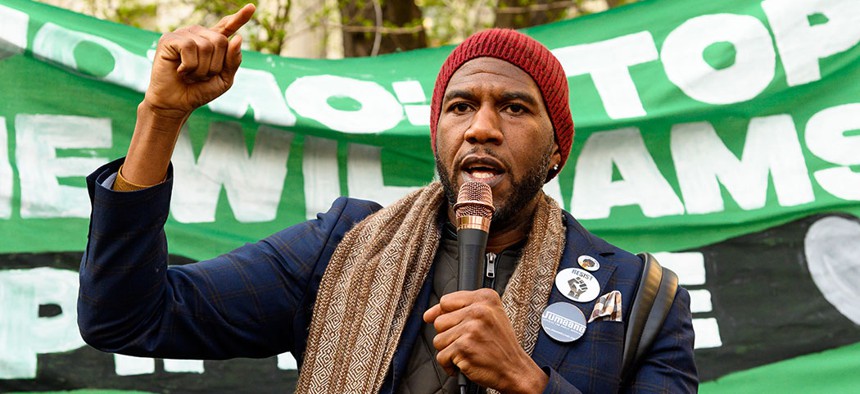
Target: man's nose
485, 127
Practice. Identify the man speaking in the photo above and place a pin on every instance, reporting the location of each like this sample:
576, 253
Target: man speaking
366, 297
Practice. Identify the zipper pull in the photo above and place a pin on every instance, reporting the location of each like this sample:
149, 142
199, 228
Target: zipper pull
491, 265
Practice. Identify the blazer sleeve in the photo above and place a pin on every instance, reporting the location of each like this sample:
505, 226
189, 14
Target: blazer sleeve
245, 303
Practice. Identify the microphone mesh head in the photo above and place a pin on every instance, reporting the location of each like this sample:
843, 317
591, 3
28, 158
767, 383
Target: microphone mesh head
474, 199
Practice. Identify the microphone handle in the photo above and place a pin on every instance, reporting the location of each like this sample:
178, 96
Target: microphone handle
472, 244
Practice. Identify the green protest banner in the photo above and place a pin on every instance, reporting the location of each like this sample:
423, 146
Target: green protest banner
722, 134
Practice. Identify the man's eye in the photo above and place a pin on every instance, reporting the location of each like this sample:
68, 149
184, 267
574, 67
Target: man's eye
516, 109
460, 107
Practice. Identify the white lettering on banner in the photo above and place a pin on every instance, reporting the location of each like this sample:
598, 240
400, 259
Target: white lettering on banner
23, 334
801, 44
690, 268
826, 137
253, 183
130, 365
749, 75
183, 366
608, 62
13, 30
700, 301
703, 162
707, 333
321, 175
364, 176
380, 111
287, 361
58, 44
6, 180
258, 90
594, 192
411, 94
38, 137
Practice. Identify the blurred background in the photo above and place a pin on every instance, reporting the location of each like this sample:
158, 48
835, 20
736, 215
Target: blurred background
332, 29
723, 134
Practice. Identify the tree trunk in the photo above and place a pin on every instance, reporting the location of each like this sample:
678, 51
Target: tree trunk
362, 20
517, 14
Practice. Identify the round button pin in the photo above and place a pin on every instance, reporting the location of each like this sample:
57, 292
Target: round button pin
563, 322
577, 284
588, 263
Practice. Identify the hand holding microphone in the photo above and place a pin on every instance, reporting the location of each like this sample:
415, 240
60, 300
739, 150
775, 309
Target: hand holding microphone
474, 334
474, 209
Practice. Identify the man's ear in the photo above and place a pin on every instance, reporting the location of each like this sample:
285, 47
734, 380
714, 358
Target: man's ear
554, 162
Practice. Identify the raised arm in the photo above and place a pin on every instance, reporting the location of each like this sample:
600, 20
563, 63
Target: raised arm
252, 302
130, 301
192, 66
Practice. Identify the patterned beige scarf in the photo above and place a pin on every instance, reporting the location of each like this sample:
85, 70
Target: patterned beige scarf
374, 277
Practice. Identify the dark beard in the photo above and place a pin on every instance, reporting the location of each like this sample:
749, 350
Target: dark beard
524, 190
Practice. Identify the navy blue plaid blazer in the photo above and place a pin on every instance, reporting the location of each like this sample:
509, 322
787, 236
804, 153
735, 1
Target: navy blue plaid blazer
257, 300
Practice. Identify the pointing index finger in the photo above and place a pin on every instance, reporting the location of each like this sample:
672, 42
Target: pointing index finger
231, 23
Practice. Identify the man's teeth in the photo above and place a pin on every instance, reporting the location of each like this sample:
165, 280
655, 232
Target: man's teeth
483, 174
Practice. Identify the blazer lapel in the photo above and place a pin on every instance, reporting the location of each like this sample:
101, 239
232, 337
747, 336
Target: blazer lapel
549, 352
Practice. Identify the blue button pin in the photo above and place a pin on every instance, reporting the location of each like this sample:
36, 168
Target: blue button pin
563, 322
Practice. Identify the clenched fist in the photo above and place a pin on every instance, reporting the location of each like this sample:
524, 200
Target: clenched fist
194, 65
475, 336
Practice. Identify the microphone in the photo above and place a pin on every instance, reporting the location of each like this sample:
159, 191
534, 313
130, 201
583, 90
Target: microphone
473, 211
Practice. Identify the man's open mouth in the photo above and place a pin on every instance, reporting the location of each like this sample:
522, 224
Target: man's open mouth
480, 172
482, 169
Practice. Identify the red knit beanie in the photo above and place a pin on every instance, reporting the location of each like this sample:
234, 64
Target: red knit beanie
529, 55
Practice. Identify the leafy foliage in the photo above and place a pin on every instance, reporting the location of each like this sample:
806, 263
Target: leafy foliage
367, 27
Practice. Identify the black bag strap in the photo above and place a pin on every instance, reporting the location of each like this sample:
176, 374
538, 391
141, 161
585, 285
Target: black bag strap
651, 304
